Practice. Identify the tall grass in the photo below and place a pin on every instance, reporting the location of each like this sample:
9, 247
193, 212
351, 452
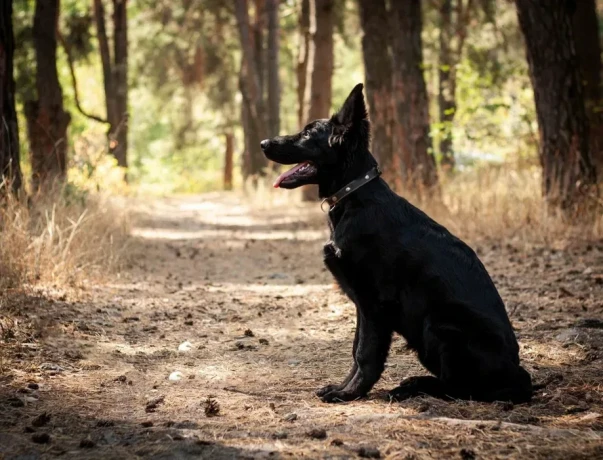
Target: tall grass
505, 202
59, 239
501, 202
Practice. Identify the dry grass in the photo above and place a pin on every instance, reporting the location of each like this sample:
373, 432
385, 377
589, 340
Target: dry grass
504, 202
491, 201
59, 241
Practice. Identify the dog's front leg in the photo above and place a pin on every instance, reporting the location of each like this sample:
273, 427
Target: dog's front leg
330, 388
374, 336
333, 262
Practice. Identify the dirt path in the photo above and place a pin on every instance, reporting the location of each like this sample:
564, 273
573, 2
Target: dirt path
265, 327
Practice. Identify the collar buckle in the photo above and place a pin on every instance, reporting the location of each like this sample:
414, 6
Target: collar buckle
350, 188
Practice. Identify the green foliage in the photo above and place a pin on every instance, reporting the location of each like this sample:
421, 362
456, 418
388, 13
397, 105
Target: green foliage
495, 111
23, 11
184, 79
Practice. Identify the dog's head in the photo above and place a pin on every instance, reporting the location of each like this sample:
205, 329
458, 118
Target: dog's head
325, 147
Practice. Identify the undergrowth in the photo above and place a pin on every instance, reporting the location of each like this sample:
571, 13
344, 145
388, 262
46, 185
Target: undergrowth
62, 237
500, 202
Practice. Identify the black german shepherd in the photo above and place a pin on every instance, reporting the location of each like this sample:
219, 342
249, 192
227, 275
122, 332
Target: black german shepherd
404, 272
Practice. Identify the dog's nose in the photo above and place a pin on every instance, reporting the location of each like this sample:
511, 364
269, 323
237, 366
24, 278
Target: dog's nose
264, 144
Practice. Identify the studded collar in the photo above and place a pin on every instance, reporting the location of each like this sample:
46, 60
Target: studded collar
350, 188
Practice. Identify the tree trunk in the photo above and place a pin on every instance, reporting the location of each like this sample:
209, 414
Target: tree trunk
10, 169
119, 128
274, 87
105, 54
447, 86
588, 49
568, 169
115, 76
253, 113
258, 28
322, 22
320, 69
47, 122
378, 73
303, 55
419, 172
228, 160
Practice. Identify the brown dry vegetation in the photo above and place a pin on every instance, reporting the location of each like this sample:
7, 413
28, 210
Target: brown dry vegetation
59, 241
242, 281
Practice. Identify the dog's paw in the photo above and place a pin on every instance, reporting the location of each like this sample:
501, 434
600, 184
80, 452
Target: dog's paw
417, 386
328, 389
401, 393
340, 396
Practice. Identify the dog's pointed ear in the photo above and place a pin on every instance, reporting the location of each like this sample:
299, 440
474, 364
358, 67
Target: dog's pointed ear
351, 122
353, 110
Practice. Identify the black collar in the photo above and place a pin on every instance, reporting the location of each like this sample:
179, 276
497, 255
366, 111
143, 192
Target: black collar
351, 188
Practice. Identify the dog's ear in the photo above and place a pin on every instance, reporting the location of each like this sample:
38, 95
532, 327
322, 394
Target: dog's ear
351, 122
353, 110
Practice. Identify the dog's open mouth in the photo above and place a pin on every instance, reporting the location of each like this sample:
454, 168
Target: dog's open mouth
299, 172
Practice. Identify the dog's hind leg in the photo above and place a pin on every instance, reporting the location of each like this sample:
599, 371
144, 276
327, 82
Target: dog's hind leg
514, 385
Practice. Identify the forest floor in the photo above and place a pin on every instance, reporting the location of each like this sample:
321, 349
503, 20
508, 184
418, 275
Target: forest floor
85, 373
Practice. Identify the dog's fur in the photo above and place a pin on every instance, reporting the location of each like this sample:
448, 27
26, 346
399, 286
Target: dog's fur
405, 273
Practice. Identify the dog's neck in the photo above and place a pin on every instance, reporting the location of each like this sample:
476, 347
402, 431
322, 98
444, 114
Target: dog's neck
359, 163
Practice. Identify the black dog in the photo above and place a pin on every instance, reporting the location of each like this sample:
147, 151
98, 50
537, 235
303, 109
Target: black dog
405, 273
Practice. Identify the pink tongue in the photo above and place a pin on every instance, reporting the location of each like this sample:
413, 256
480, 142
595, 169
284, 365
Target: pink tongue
288, 173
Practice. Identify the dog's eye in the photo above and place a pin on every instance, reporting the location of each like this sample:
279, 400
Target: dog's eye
306, 135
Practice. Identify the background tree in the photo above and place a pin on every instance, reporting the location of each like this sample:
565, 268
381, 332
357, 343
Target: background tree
303, 56
452, 36
320, 64
418, 165
47, 121
585, 27
251, 87
10, 168
376, 53
273, 81
320, 68
568, 167
115, 75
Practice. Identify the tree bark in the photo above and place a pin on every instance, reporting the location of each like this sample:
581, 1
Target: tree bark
585, 26
10, 169
274, 86
228, 160
105, 54
322, 22
119, 128
47, 122
569, 173
303, 55
320, 69
115, 76
253, 112
419, 172
377, 59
